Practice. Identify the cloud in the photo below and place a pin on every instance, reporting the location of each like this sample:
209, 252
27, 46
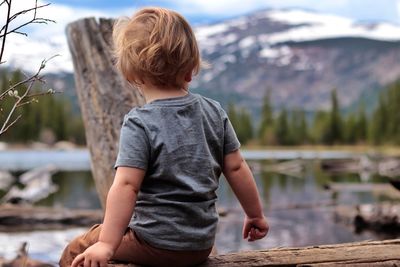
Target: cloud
47, 40
235, 7
398, 10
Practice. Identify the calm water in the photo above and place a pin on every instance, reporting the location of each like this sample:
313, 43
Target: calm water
311, 224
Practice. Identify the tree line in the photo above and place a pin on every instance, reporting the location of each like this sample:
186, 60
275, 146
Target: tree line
326, 127
49, 118
52, 117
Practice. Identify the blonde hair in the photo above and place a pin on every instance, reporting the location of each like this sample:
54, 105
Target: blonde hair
156, 45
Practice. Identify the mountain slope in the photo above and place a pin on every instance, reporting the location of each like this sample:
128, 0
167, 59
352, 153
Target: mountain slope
300, 56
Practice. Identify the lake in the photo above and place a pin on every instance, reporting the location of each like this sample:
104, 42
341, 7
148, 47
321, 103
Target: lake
298, 208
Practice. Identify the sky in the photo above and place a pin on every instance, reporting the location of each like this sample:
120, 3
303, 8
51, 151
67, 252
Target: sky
198, 12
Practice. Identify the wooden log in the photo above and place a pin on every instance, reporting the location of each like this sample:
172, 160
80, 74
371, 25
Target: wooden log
379, 218
104, 95
22, 260
381, 189
367, 253
26, 217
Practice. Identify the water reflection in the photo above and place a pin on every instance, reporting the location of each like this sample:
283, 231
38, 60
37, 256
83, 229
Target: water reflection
76, 191
299, 209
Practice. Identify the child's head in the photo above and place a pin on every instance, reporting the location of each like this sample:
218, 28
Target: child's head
156, 46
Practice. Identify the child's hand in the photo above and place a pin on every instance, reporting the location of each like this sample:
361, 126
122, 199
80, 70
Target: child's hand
255, 228
97, 255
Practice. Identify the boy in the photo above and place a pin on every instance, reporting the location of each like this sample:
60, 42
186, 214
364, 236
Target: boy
171, 154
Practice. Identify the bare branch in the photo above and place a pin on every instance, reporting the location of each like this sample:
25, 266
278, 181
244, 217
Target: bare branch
27, 102
33, 78
6, 28
44, 93
32, 21
14, 90
9, 125
15, 86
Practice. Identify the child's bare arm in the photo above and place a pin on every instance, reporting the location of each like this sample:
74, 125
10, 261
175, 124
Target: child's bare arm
121, 201
120, 204
241, 180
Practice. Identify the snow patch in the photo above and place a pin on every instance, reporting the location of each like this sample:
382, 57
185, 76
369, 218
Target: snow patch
204, 32
247, 42
228, 39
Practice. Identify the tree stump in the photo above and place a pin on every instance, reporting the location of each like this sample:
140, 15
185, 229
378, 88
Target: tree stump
104, 95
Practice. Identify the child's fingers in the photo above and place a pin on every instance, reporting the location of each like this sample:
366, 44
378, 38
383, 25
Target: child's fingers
256, 234
246, 230
77, 260
262, 233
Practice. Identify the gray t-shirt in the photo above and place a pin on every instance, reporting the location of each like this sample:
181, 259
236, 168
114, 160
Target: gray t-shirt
181, 143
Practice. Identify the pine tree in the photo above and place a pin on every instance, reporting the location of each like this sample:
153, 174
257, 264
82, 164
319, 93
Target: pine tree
298, 127
266, 127
321, 127
361, 125
350, 132
241, 122
379, 122
282, 131
335, 121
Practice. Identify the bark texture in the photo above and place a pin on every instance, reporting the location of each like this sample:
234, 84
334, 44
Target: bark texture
104, 95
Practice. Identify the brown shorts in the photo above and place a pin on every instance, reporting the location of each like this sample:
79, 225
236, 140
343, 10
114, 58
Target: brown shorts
135, 250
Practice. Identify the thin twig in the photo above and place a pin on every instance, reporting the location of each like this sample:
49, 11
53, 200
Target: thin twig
26, 103
15, 86
31, 81
33, 20
11, 124
6, 28
44, 93
35, 77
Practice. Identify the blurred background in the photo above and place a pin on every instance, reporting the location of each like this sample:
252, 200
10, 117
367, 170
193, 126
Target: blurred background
311, 87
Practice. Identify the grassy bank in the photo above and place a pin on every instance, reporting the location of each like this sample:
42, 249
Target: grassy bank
386, 149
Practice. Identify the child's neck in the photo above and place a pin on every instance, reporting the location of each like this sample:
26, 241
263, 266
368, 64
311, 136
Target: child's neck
152, 93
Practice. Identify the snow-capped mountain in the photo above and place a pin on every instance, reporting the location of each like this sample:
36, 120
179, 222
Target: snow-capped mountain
299, 55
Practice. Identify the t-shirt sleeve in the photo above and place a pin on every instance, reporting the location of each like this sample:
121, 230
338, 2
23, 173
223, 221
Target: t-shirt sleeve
134, 147
231, 142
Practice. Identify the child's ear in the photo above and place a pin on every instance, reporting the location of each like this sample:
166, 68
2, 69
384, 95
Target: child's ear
188, 77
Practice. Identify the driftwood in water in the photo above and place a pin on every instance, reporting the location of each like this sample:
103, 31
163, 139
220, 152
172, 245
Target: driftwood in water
379, 218
22, 260
104, 95
37, 185
384, 166
381, 189
294, 168
376, 253
23, 217
6, 180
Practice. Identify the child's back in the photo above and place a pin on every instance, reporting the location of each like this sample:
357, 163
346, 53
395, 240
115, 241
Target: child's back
181, 142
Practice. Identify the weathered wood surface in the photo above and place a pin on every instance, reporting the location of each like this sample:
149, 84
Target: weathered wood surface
26, 217
373, 253
104, 95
